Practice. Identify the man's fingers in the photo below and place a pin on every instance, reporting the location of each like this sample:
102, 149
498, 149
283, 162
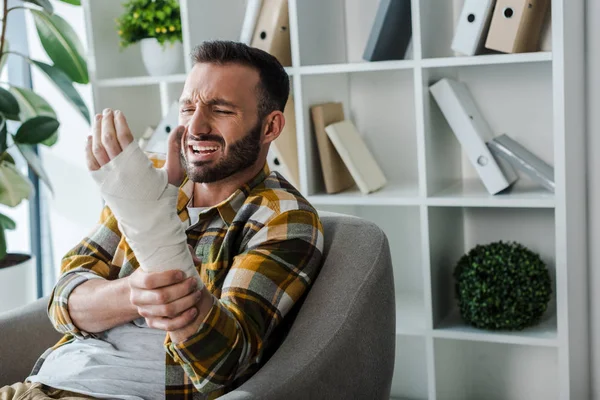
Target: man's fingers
163, 295
172, 309
124, 135
154, 280
175, 171
109, 134
97, 147
173, 324
89, 156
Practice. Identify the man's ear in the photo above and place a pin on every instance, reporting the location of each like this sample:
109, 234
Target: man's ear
274, 123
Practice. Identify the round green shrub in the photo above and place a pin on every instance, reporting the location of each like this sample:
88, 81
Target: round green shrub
502, 286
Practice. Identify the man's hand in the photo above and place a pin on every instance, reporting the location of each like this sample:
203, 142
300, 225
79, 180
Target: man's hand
165, 299
111, 135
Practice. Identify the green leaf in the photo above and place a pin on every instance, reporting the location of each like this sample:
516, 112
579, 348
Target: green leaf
6, 222
74, 2
14, 186
34, 163
9, 105
63, 82
36, 130
62, 45
3, 133
2, 244
7, 157
33, 105
45, 4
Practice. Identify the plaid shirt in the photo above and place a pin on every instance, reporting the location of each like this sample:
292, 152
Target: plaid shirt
260, 251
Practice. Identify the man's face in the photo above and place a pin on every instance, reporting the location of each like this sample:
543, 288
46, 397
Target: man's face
219, 108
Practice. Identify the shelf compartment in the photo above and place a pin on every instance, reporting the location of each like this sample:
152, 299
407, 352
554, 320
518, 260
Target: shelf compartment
410, 369
394, 194
401, 225
472, 193
543, 334
494, 371
141, 80
335, 31
380, 106
487, 59
454, 231
444, 15
520, 109
356, 67
140, 105
109, 59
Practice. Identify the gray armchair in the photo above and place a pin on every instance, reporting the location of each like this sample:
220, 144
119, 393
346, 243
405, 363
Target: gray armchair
341, 344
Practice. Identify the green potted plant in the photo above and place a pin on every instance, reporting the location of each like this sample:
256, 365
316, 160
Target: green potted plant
156, 25
27, 119
502, 286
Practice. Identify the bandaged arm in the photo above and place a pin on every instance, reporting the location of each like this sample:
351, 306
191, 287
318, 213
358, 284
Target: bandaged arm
145, 205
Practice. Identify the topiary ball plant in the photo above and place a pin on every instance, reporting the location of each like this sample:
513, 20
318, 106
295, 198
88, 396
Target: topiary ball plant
502, 286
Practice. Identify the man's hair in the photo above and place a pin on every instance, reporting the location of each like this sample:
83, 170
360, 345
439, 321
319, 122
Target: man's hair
274, 85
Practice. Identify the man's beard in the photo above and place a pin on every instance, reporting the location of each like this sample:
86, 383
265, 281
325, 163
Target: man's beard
241, 155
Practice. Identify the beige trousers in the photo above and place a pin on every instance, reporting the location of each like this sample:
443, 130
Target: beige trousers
37, 391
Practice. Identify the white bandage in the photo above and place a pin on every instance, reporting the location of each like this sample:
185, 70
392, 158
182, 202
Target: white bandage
145, 205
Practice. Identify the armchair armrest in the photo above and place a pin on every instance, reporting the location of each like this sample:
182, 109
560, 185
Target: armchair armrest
25, 333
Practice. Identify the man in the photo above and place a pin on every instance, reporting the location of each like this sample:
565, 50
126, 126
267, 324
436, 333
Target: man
139, 323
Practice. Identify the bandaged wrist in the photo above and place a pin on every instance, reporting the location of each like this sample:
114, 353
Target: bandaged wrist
145, 206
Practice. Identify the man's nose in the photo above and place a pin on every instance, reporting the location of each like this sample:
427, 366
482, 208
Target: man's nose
199, 124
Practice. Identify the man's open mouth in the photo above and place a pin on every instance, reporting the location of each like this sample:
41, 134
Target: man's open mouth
199, 149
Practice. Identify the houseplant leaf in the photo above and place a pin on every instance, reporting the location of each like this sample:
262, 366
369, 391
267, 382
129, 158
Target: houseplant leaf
2, 244
63, 82
9, 105
14, 186
62, 45
36, 129
45, 4
6, 222
3, 133
34, 163
7, 157
33, 105
74, 2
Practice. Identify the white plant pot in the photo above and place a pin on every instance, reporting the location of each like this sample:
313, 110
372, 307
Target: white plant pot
17, 284
162, 60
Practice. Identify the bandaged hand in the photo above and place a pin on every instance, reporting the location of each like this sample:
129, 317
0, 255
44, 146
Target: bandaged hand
142, 198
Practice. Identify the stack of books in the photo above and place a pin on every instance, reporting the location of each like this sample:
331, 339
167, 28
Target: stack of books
344, 157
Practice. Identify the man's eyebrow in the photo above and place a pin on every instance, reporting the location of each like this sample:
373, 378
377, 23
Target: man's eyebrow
218, 101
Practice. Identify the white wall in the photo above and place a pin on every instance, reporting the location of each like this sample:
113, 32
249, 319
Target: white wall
593, 129
76, 204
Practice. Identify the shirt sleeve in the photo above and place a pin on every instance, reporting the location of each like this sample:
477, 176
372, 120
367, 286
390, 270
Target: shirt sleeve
264, 282
90, 259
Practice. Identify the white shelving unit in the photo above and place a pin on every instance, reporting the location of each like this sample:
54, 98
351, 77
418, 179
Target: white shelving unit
434, 208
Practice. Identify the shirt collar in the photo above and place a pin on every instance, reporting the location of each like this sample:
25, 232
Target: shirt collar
229, 207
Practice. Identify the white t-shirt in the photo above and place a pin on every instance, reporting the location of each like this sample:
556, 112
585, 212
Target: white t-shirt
126, 362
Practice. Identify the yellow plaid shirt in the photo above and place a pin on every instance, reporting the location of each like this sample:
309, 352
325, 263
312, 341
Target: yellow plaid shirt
260, 251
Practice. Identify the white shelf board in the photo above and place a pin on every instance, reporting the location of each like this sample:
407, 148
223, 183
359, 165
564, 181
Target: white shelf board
543, 334
410, 314
472, 193
141, 80
356, 67
487, 59
390, 195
